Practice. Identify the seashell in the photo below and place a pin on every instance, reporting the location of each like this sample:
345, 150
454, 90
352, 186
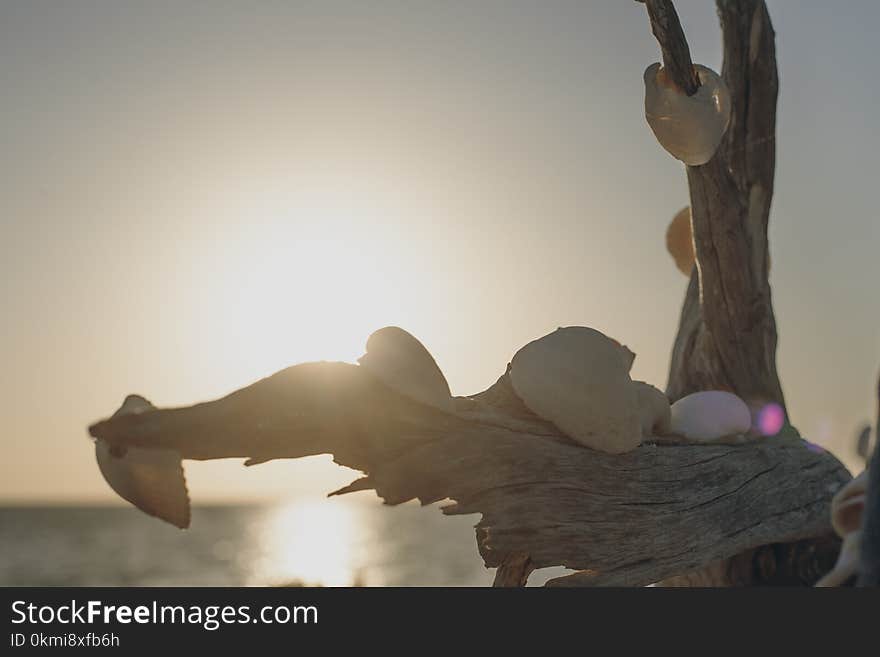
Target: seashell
690, 128
709, 415
578, 379
680, 241
654, 412
847, 561
402, 363
848, 505
150, 479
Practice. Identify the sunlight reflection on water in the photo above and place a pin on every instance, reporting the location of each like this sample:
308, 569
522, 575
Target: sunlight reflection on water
309, 542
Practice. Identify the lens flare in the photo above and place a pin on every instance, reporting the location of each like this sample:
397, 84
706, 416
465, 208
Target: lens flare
771, 418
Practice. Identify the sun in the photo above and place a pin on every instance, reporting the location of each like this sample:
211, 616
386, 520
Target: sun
309, 275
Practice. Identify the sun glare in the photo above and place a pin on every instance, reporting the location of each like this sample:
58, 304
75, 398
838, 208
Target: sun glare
314, 271
309, 541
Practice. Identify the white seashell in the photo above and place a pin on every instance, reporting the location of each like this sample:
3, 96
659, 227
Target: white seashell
578, 379
151, 479
402, 363
690, 128
655, 414
710, 415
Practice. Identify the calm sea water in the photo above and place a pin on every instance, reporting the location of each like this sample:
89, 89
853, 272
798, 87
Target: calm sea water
310, 541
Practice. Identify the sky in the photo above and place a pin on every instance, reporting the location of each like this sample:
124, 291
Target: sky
194, 195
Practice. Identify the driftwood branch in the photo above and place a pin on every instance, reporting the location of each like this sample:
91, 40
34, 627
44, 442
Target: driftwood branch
676, 52
629, 519
727, 332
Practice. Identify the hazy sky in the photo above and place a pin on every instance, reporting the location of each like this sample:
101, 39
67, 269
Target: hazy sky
196, 194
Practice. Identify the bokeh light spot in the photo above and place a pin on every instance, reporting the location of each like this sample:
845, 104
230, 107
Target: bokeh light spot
771, 418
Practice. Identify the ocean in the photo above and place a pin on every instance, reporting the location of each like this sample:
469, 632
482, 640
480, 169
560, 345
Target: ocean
306, 541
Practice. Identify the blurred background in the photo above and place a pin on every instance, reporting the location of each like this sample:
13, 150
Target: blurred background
195, 194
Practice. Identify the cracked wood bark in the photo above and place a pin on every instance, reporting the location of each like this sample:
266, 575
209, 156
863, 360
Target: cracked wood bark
629, 519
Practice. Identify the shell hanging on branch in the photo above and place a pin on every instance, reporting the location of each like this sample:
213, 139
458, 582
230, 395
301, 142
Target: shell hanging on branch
690, 128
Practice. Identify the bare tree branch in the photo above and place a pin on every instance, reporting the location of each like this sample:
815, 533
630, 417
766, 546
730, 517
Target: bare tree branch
676, 53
